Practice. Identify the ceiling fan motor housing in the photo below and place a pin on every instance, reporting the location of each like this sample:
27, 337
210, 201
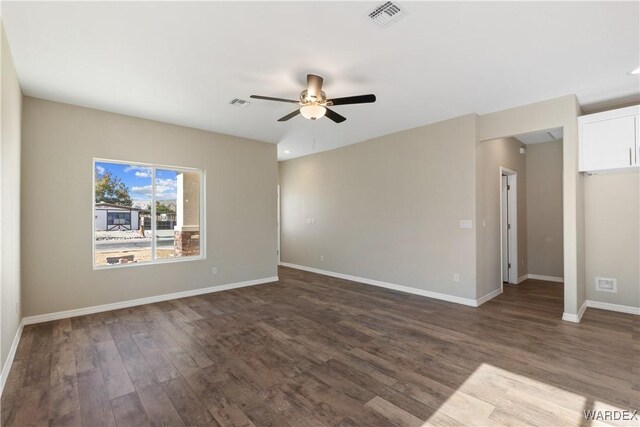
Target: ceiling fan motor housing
306, 97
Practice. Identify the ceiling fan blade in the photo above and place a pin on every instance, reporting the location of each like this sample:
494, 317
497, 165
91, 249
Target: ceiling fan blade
334, 116
289, 116
270, 98
358, 99
314, 85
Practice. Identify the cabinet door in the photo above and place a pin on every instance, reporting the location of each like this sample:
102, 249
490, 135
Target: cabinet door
609, 144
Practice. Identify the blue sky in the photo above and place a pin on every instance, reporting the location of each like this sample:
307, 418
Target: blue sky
138, 179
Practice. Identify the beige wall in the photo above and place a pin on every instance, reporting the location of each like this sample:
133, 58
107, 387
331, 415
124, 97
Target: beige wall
544, 209
612, 216
10, 112
490, 156
387, 209
558, 112
59, 143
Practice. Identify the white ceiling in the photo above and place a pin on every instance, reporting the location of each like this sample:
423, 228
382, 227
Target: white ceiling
540, 136
183, 62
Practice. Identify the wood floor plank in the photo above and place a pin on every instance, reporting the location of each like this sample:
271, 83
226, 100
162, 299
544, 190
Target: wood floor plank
157, 405
157, 360
134, 361
33, 409
64, 398
85, 354
221, 408
128, 411
99, 333
189, 407
182, 361
39, 365
64, 402
12, 390
95, 406
70, 419
396, 415
113, 370
26, 342
38, 368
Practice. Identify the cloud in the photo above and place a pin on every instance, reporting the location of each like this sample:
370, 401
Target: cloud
165, 189
100, 170
143, 191
140, 171
166, 182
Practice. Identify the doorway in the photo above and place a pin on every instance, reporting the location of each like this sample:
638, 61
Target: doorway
509, 225
519, 212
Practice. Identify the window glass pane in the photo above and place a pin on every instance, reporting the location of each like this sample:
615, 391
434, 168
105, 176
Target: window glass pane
122, 202
177, 199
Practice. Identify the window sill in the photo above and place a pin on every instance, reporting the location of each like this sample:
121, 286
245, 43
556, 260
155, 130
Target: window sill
148, 263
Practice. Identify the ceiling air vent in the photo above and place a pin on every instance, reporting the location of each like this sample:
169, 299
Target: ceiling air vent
386, 13
241, 103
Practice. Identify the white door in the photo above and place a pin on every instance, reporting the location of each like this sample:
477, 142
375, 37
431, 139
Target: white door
509, 224
505, 229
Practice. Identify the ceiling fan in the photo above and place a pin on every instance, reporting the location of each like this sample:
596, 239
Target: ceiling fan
313, 102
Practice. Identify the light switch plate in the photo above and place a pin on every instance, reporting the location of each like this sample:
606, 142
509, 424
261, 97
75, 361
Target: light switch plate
466, 223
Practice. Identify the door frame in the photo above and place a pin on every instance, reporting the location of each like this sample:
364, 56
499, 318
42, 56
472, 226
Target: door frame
512, 218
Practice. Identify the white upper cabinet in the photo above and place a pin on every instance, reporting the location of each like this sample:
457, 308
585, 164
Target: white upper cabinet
609, 140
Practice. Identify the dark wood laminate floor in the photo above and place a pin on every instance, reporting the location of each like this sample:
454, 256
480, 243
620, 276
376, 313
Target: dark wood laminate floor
312, 350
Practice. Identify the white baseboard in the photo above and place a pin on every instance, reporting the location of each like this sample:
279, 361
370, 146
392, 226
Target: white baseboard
141, 301
488, 296
12, 353
436, 295
614, 307
545, 278
522, 279
575, 317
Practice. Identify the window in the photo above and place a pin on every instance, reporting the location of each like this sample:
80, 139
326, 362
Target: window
146, 213
118, 218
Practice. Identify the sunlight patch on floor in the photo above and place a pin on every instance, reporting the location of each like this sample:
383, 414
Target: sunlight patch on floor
494, 396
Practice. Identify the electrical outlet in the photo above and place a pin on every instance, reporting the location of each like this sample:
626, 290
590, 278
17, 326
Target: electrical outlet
321, 257
456, 277
17, 308
214, 270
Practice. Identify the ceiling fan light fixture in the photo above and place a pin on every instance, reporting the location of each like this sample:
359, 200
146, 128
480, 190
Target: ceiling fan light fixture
312, 111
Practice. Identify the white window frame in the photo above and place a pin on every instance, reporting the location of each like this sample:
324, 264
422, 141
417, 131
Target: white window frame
154, 261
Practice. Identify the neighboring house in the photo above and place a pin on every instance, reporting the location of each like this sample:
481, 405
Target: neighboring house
109, 217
